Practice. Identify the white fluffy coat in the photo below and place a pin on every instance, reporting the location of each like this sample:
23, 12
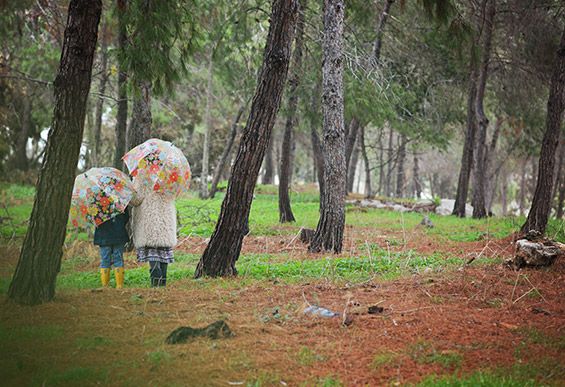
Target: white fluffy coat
154, 221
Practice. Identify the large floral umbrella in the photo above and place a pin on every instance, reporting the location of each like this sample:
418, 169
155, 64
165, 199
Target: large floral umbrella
159, 165
99, 194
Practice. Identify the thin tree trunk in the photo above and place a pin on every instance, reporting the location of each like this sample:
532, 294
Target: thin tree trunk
381, 163
220, 167
400, 167
224, 247
140, 125
208, 124
122, 105
350, 138
40, 257
288, 144
541, 203
20, 156
480, 171
100, 100
329, 232
368, 190
468, 146
269, 164
416, 177
377, 45
352, 169
388, 181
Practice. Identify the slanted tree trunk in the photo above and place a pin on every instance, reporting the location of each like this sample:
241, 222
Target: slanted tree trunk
207, 129
287, 150
400, 167
269, 164
368, 190
468, 145
416, 172
122, 105
480, 171
218, 171
140, 124
352, 169
224, 247
40, 257
95, 160
329, 232
541, 203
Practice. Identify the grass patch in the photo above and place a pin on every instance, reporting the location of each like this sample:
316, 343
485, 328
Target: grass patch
536, 336
76, 376
31, 332
383, 358
423, 352
307, 356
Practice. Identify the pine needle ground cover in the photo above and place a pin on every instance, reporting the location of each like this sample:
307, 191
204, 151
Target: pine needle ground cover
443, 321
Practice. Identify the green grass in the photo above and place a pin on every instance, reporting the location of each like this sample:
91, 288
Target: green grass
30, 332
383, 358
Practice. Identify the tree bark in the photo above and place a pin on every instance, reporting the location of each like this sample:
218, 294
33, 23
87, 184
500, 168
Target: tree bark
400, 167
269, 163
287, 150
208, 123
388, 181
416, 177
218, 171
352, 169
224, 247
40, 257
100, 100
469, 144
122, 105
541, 203
377, 45
480, 172
368, 189
140, 124
329, 232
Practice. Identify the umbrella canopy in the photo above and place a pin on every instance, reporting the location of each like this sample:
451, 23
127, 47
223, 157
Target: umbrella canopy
99, 194
159, 165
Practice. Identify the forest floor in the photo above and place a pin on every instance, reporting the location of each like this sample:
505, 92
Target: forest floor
443, 320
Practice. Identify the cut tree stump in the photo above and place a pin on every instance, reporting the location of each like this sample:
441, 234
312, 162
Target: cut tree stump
535, 251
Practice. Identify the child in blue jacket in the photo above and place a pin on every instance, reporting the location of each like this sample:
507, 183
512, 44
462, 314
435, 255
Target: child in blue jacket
111, 236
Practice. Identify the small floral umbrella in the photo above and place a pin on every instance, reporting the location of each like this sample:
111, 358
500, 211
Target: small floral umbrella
160, 165
100, 194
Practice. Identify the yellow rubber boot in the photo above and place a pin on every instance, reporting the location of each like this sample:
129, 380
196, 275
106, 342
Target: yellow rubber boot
105, 276
119, 274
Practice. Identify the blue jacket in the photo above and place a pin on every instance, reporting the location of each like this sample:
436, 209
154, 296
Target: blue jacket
112, 232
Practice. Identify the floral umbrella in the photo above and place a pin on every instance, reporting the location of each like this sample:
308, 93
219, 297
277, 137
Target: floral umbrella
99, 194
160, 165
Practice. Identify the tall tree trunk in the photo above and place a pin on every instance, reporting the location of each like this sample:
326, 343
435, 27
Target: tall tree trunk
351, 137
140, 124
352, 169
100, 100
416, 172
368, 190
329, 232
269, 163
492, 173
468, 145
388, 181
480, 171
218, 171
207, 129
400, 167
20, 156
541, 203
40, 256
224, 247
382, 181
522, 197
377, 45
287, 150
122, 110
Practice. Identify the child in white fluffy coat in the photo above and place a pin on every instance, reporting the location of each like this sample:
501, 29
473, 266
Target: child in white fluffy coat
154, 223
